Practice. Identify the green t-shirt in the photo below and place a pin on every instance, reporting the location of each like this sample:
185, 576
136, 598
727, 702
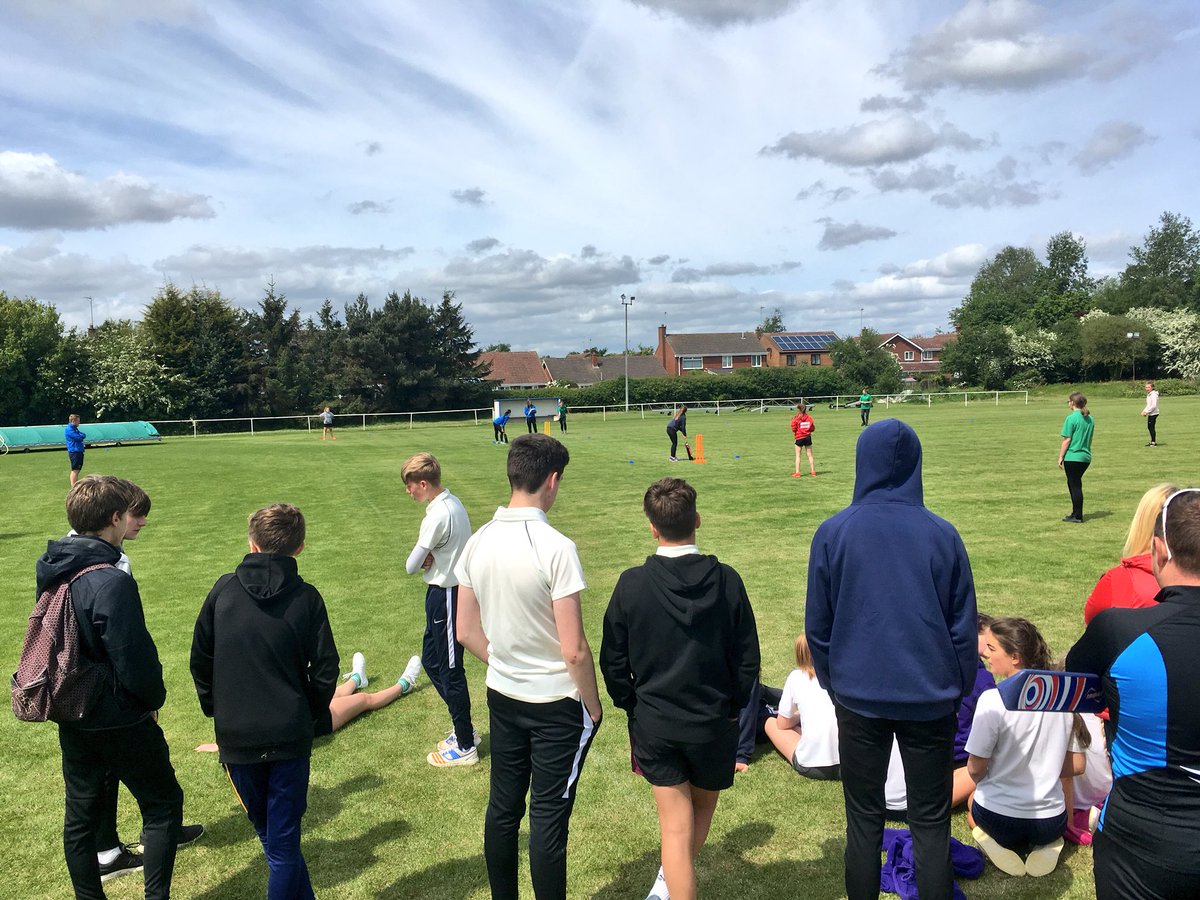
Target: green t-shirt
865, 400
1078, 428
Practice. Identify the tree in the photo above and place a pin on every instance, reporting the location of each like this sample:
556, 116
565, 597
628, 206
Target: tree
597, 351
125, 380
34, 357
1108, 347
1067, 285
1178, 333
980, 356
1165, 271
862, 362
772, 324
272, 350
498, 348
1004, 291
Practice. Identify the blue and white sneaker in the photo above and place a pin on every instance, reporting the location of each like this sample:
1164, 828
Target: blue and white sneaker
358, 671
451, 740
408, 679
452, 756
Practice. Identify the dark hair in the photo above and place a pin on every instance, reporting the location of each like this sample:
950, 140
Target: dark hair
531, 459
1079, 731
278, 528
1020, 637
1183, 521
982, 621
801, 407
94, 500
1079, 402
670, 505
141, 501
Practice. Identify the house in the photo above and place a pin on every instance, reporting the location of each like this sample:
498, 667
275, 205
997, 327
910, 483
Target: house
516, 369
799, 348
919, 357
719, 352
585, 369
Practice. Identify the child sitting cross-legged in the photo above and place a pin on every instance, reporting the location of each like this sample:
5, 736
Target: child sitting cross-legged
1018, 813
806, 731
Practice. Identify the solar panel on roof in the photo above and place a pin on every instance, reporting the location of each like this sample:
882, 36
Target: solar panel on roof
802, 342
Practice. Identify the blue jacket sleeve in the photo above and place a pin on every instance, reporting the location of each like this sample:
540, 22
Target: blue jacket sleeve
818, 609
964, 620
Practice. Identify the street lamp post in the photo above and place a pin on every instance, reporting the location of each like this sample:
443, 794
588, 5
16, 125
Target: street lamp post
1133, 337
627, 303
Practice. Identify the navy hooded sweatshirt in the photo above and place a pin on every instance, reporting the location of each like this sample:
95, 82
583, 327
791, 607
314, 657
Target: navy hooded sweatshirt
890, 613
680, 650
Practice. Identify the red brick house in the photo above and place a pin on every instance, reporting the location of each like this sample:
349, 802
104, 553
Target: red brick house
516, 369
919, 357
716, 352
799, 348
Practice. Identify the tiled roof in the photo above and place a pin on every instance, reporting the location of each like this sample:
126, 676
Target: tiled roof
934, 342
578, 369
735, 343
639, 367
518, 368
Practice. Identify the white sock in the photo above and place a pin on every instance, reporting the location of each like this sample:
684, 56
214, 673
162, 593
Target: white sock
104, 857
659, 889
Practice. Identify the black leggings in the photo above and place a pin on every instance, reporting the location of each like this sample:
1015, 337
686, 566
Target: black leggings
501, 437
1150, 423
865, 414
1075, 472
673, 434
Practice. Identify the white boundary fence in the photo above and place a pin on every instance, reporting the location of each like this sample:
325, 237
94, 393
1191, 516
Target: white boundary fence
483, 415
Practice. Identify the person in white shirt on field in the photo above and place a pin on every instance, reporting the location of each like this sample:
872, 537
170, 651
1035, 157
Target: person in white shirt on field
1151, 413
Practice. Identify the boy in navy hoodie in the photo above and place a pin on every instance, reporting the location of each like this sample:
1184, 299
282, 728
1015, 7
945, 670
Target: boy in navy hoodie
265, 668
891, 623
680, 656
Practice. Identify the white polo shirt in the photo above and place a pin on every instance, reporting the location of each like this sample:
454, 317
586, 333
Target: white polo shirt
518, 565
445, 530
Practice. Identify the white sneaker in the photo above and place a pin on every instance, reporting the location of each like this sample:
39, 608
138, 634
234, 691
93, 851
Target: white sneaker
1002, 858
408, 680
450, 741
658, 890
358, 671
452, 756
1043, 860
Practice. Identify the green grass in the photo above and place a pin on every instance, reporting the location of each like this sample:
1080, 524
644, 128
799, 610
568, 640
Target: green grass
381, 822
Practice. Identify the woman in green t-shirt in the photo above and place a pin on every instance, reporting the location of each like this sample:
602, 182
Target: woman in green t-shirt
1075, 454
864, 407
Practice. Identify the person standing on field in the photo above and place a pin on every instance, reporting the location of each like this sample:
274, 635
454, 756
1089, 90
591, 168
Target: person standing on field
1151, 413
327, 424
75, 439
530, 417
802, 430
1075, 453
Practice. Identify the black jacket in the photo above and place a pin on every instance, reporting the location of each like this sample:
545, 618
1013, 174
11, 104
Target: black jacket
264, 661
680, 650
112, 630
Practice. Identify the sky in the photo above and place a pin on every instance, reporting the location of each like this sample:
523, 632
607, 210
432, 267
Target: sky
843, 162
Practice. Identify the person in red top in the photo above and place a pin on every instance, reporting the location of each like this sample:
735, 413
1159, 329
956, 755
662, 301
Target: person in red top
803, 428
1132, 583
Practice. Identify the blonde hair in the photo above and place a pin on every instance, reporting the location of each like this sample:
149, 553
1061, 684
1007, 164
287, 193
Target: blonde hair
1141, 529
422, 467
804, 660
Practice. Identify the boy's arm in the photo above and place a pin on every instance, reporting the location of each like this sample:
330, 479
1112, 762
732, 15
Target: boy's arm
748, 656
614, 655
121, 624
964, 623
818, 610
468, 624
322, 662
577, 654
202, 655
419, 559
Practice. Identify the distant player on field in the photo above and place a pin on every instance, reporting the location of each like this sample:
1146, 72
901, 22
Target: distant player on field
74, 446
865, 402
327, 424
802, 429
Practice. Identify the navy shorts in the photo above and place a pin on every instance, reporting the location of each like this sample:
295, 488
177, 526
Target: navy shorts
76, 457
804, 442
1019, 835
664, 762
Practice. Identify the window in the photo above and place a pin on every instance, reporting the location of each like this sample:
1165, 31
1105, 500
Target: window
814, 359
756, 361
791, 359
726, 361
908, 356
926, 356
693, 362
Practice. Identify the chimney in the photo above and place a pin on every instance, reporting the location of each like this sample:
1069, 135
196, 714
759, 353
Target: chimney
595, 360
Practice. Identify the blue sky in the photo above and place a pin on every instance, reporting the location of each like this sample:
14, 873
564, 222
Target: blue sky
714, 158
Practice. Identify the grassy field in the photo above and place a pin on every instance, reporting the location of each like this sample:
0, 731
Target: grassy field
381, 822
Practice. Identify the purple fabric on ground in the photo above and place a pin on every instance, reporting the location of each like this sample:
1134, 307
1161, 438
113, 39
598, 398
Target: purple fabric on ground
898, 875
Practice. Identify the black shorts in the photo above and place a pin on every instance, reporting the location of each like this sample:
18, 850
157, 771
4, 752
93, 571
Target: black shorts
664, 763
804, 442
76, 457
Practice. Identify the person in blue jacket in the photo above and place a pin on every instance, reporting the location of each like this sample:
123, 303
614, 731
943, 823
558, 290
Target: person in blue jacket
891, 624
500, 436
75, 439
530, 417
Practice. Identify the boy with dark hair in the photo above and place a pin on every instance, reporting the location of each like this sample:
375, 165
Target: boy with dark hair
120, 732
265, 668
680, 656
75, 439
444, 532
519, 612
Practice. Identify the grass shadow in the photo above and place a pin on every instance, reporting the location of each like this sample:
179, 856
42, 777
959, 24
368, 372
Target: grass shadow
452, 878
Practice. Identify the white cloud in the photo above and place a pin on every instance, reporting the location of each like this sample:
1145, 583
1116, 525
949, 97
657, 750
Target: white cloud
720, 13
470, 196
899, 138
838, 236
922, 177
36, 192
1109, 143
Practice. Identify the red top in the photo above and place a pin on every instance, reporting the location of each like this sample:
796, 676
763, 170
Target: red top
1129, 585
802, 425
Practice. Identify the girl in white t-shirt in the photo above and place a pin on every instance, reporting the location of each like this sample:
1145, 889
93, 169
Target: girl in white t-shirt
1016, 758
805, 731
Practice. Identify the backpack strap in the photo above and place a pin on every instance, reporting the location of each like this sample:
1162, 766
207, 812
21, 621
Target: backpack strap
86, 632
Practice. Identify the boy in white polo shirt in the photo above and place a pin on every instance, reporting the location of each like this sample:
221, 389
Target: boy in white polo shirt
519, 612
443, 534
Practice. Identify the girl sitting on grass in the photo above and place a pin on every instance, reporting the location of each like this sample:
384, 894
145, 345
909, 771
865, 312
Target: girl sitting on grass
1018, 813
805, 731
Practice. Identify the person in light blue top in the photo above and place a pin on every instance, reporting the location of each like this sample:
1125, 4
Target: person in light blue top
1075, 454
530, 417
498, 425
75, 439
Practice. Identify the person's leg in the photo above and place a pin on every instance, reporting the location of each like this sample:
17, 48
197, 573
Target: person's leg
287, 799
962, 788
107, 839
346, 706
511, 770
83, 776
673, 434
927, 749
677, 828
560, 740
748, 727
140, 757
812, 467
1151, 427
797, 459
433, 647
457, 694
864, 745
1075, 472
785, 740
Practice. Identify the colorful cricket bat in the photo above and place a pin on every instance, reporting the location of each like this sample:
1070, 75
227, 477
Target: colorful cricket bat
688, 448
1046, 691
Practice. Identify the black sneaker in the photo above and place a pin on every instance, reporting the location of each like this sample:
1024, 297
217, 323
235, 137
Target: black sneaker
125, 864
1073, 520
187, 835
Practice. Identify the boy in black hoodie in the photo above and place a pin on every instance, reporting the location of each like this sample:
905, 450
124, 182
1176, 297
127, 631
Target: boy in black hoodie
265, 668
120, 731
680, 656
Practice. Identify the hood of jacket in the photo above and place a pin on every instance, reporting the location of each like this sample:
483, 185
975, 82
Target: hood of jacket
70, 554
685, 586
888, 465
265, 576
1140, 561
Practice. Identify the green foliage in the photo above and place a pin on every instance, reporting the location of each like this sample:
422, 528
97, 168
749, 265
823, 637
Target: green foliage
1166, 269
1108, 348
125, 379
772, 324
498, 348
861, 362
980, 356
36, 360
1004, 292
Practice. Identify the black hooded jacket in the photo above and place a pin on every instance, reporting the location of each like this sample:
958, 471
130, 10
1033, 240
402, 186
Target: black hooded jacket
680, 650
264, 661
112, 630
